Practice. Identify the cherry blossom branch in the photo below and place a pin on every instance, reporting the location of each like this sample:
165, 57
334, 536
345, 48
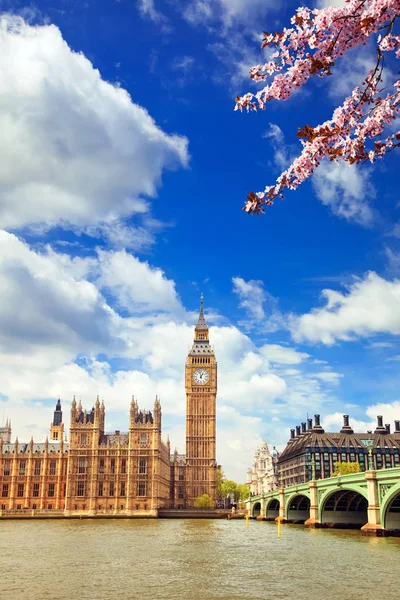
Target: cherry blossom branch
330, 33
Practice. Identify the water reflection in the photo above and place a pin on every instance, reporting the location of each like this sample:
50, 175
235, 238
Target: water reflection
191, 559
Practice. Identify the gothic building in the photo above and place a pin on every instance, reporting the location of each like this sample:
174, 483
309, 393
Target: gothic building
262, 477
121, 474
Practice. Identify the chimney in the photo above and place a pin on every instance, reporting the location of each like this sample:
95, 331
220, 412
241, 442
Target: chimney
346, 427
380, 428
303, 428
387, 428
292, 434
397, 426
297, 430
317, 425
309, 424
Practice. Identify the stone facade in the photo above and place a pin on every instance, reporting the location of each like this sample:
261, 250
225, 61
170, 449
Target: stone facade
120, 473
262, 477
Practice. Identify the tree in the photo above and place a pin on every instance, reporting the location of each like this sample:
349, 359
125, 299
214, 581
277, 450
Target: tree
219, 478
204, 501
240, 491
311, 47
243, 491
345, 468
228, 487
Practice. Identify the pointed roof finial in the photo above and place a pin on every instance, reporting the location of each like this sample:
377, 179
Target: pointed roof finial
201, 322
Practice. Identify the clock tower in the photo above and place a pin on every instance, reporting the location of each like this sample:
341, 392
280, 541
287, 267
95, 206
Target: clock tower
201, 394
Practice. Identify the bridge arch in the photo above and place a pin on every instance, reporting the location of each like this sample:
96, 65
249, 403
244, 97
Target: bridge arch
256, 509
298, 508
272, 509
390, 509
345, 507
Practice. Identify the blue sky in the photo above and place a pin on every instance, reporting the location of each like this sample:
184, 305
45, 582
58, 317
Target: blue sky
123, 172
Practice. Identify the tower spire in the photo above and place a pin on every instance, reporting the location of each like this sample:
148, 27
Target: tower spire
201, 324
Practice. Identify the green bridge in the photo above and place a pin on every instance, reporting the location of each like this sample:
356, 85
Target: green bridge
369, 500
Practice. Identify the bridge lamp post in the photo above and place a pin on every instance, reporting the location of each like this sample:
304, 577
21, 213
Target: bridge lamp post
369, 446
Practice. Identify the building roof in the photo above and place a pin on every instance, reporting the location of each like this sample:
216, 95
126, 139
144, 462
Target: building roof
328, 440
24, 448
201, 324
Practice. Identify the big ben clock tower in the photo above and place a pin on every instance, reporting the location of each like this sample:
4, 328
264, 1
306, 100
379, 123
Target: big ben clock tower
201, 394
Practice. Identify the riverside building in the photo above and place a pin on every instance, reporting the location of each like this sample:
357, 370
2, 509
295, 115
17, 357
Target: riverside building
262, 477
119, 473
311, 453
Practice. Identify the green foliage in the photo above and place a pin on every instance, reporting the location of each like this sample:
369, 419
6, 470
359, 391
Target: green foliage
228, 487
345, 468
243, 491
204, 501
240, 491
220, 478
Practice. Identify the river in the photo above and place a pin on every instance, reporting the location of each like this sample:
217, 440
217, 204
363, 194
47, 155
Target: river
192, 560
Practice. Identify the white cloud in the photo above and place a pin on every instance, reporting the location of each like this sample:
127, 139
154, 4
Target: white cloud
329, 377
230, 12
345, 189
252, 296
260, 306
136, 285
283, 355
75, 150
393, 260
370, 306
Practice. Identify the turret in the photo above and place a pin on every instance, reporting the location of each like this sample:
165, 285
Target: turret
57, 426
157, 413
133, 413
5, 432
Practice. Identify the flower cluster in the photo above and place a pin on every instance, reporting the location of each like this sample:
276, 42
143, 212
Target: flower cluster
310, 48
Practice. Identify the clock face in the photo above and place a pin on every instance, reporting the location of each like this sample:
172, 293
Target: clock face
200, 376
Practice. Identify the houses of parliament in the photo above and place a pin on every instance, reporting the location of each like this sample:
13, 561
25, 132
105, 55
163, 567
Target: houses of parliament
125, 474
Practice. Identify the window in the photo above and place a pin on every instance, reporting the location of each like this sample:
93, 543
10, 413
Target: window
100, 488
123, 466
142, 466
143, 439
37, 467
7, 466
53, 465
83, 439
50, 492
142, 488
49, 506
55, 435
112, 465
36, 490
122, 488
181, 475
180, 494
112, 488
102, 465
82, 465
65, 490
34, 506
4, 491
81, 489
20, 490
22, 466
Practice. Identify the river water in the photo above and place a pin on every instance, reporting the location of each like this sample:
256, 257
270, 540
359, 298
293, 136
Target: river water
192, 560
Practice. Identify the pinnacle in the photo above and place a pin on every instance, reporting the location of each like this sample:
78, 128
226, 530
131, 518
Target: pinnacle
201, 322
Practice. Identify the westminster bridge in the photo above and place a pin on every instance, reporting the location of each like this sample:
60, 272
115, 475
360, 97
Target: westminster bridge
368, 500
